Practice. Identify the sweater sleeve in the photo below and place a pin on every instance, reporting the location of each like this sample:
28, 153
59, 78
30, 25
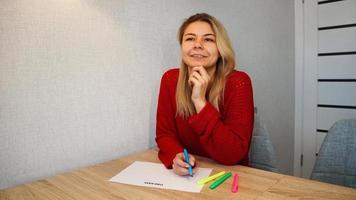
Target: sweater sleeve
227, 138
166, 131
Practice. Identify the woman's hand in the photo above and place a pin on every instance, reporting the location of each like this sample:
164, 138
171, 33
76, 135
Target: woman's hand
199, 80
180, 167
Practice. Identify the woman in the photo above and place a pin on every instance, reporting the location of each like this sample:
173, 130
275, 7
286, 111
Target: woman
204, 106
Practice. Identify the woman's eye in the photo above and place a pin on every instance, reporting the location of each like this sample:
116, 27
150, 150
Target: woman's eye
209, 39
189, 39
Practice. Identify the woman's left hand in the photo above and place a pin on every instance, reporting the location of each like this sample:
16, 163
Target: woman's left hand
199, 80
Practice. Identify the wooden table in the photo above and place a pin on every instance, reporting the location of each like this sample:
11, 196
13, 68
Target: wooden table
92, 183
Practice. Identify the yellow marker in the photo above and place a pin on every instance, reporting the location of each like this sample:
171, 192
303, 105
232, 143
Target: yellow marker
210, 178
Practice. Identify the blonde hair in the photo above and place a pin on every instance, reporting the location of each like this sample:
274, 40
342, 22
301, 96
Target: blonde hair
225, 65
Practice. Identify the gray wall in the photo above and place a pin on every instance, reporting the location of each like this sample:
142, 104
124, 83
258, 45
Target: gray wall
79, 79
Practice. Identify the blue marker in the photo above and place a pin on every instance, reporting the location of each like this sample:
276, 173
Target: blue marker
186, 157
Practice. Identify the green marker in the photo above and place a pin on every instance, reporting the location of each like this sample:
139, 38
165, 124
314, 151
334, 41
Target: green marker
220, 180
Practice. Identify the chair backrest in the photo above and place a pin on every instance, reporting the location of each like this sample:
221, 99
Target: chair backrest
336, 161
261, 153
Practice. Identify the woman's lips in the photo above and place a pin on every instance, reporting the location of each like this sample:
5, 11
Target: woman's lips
197, 56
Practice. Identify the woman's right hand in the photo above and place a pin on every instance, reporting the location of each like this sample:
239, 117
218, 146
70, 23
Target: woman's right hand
199, 81
180, 167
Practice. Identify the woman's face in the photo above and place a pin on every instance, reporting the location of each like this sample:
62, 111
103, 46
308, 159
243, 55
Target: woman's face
198, 46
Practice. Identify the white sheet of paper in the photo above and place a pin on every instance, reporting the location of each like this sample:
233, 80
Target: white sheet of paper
156, 175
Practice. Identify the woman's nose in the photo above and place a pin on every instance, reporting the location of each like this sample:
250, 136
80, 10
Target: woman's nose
198, 43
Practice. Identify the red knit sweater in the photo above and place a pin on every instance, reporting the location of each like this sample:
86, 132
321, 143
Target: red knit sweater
223, 136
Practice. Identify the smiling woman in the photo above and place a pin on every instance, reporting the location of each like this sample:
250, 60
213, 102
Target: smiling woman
199, 46
204, 106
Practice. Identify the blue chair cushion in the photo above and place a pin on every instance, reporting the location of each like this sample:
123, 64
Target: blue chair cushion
261, 153
336, 162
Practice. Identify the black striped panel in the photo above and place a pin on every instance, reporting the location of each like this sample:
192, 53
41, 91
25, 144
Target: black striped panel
328, 1
336, 27
336, 106
337, 53
336, 80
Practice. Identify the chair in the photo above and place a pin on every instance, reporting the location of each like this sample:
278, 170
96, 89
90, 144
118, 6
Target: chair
336, 161
261, 153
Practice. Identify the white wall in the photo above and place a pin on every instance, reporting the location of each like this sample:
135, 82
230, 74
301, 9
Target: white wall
79, 79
